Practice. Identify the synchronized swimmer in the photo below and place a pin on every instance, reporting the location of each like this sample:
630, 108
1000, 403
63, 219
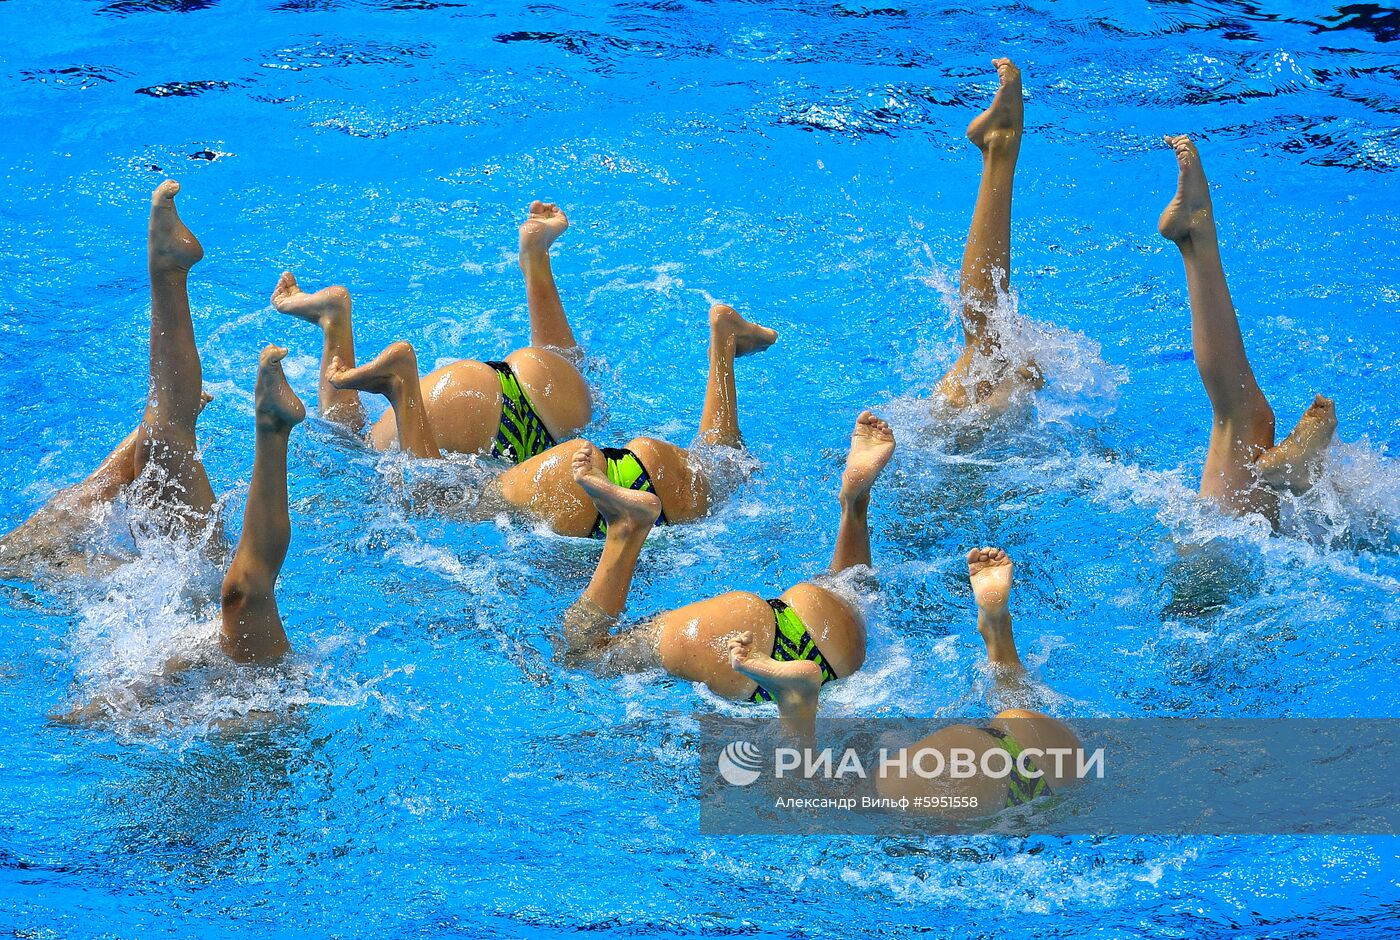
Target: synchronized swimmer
528, 409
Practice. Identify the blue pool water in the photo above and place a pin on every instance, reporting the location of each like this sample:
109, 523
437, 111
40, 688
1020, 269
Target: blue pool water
804, 162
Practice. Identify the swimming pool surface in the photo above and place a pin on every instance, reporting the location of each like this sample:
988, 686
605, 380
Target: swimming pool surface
804, 162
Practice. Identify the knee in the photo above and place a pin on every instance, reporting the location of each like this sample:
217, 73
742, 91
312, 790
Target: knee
243, 583
234, 593
164, 442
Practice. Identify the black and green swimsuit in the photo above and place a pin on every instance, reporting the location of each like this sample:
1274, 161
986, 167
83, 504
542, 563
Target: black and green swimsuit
1020, 788
792, 642
521, 434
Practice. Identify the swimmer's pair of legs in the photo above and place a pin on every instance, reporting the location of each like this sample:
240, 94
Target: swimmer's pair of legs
178, 487
250, 629
692, 642
544, 486
1243, 466
463, 399
981, 376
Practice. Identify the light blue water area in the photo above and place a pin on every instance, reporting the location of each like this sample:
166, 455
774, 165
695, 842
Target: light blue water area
440, 775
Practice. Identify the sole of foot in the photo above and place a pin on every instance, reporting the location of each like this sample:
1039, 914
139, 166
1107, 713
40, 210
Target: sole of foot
546, 223
1003, 123
276, 405
990, 570
382, 375
749, 337
624, 510
872, 446
795, 678
321, 307
1189, 211
171, 243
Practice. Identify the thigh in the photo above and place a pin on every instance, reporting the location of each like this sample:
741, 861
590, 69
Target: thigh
835, 626
1033, 729
544, 487
1229, 477
981, 795
463, 400
179, 476
678, 480
557, 390
464, 405
694, 639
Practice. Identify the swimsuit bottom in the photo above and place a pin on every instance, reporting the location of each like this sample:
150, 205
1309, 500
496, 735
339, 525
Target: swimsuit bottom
626, 470
792, 642
521, 434
1020, 788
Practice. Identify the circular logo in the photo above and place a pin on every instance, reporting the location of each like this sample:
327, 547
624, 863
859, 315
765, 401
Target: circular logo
740, 763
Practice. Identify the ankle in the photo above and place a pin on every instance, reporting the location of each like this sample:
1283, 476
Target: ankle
855, 502
534, 257
723, 344
270, 423
628, 530
995, 628
167, 270
1001, 144
1200, 233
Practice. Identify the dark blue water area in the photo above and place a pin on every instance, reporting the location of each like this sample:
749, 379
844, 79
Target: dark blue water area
430, 770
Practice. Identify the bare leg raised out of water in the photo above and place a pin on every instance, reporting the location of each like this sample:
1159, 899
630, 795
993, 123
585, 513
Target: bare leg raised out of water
986, 265
49, 538
251, 629
1012, 730
544, 487
692, 642
549, 325
1242, 431
464, 399
990, 570
328, 308
394, 374
166, 437
872, 446
731, 336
